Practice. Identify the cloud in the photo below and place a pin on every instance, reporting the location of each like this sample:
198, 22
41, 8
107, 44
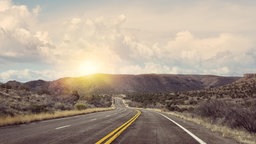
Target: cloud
148, 40
20, 38
26, 74
197, 16
149, 68
188, 46
224, 54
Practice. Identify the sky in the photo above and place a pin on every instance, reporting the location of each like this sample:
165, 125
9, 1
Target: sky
46, 39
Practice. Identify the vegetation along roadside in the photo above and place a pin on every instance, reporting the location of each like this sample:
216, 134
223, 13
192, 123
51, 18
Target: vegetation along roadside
229, 109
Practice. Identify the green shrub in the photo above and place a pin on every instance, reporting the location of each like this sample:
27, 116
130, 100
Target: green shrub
80, 106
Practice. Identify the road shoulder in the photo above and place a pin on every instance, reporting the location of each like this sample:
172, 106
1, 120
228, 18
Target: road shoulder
202, 132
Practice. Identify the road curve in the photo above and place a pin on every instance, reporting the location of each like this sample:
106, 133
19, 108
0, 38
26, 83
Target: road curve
150, 128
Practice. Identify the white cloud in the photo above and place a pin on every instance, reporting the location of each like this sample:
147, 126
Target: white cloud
13, 16
197, 16
180, 40
224, 54
188, 46
36, 10
218, 71
149, 68
26, 74
5, 4
20, 37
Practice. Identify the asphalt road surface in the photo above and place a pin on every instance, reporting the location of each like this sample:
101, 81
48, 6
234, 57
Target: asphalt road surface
150, 128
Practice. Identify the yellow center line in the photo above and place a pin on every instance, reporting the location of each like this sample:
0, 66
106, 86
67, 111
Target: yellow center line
115, 133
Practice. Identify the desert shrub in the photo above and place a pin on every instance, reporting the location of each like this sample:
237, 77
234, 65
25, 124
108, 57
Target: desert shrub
43, 91
100, 100
192, 102
243, 118
190, 109
234, 116
135, 104
60, 106
171, 107
5, 111
36, 108
80, 106
212, 108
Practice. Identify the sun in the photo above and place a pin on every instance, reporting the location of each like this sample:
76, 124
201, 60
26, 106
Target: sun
88, 68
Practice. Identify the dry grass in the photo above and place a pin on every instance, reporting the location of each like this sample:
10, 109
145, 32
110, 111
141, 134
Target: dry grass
21, 119
241, 136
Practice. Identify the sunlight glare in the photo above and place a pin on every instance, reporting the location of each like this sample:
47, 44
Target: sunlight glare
89, 67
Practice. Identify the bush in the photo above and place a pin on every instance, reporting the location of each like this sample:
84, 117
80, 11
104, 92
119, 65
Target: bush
242, 118
100, 100
234, 116
80, 106
171, 107
192, 102
36, 108
214, 109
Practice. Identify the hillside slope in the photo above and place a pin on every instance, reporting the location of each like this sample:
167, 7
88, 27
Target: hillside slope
44, 96
22, 101
106, 83
232, 105
241, 92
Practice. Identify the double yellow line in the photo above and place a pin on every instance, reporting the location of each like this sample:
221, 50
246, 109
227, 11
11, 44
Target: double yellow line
115, 133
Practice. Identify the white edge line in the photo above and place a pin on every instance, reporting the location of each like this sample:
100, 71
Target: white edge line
187, 131
62, 127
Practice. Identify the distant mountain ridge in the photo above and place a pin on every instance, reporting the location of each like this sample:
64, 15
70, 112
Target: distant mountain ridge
62, 94
121, 83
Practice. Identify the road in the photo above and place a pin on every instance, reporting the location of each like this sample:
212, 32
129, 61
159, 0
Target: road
150, 128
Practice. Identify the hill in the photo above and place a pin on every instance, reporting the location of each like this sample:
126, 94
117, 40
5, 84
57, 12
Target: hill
241, 92
233, 105
107, 83
93, 90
